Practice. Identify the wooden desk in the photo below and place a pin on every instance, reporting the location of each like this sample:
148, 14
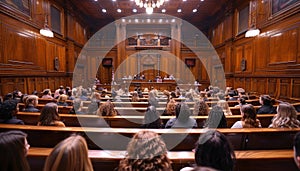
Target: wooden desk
250, 160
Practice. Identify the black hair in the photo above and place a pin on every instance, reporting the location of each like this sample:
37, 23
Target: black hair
7, 109
214, 150
216, 118
297, 144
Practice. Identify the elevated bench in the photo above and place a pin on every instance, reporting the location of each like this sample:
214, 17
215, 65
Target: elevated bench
176, 139
267, 160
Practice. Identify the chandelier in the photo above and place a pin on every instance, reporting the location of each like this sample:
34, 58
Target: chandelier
149, 4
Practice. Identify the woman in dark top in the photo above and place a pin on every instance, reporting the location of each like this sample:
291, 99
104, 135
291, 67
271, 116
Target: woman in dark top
267, 105
216, 118
151, 119
182, 119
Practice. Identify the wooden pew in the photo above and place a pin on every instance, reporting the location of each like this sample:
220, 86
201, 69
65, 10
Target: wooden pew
31, 118
176, 139
61, 109
250, 160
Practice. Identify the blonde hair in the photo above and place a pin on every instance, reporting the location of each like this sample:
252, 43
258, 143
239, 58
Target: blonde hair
70, 154
225, 107
31, 99
286, 117
171, 106
62, 98
146, 151
200, 108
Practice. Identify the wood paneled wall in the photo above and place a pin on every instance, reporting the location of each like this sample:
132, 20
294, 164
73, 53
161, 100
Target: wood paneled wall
27, 58
272, 58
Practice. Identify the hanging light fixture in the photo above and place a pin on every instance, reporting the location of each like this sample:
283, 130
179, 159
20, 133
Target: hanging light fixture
252, 32
149, 5
46, 30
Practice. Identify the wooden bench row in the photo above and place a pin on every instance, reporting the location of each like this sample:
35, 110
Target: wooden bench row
250, 160
176, 139
31, 118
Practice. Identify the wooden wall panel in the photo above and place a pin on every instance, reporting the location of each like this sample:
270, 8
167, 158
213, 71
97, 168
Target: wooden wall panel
285, 88
239, 54
272, 87
296, 88
283, 48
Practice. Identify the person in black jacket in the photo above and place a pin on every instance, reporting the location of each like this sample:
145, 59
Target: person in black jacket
267, 105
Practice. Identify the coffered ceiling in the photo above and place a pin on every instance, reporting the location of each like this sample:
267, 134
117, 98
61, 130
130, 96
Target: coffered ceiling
92, 10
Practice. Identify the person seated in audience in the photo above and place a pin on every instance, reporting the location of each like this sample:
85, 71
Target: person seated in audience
70, 154
200, 108
135, 97
152, 99
170, 109
62, 100
182, 95
146, 151
104, 95
242, 101
8, 111
49, 116
30, 104
107, 109
286, 117
60, 89
203, 96
249, 119
213, 153
189, 97
296, 148
231, 96
8, 96
84, 95
182, 119
77, 107
216, 118
17, 95
47, 94
267, 105
70, 95
225, 107
173, 95
152, 119
13, 151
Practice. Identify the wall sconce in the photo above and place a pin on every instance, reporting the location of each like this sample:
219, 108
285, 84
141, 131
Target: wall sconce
252, 32
46, 30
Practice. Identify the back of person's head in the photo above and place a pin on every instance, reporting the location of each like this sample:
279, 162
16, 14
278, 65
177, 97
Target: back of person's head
8, 109
49, 114
216, 118
13, 151
182, 111
249, 116
297, 149
266, 100
70, 154
107, 109
146, 151
31, 100
62, 98
77, 104
286, 117
200, 108
214, 150
151, 118
8, 96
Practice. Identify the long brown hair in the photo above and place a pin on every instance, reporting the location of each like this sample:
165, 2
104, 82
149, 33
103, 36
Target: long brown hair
249, 116
49, 114
13, 151
107, 109
70, 154
146, 151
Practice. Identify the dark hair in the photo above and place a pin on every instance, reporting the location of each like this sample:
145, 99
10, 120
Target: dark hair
182, 111
49, 114
216, 118
13, 151
249, 116
151, 119
214, 150
267, 100
297, 144
8, 109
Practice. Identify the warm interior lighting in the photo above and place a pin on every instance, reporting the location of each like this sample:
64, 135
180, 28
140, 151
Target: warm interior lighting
149, 5
46, 30
252, 32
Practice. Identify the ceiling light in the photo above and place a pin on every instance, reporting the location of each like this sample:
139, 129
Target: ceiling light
134, 10
163, 10
104, 10
195, 10
119, 10
179, 10
149, 5
202, 0
95, 0
184, 0
114, 0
